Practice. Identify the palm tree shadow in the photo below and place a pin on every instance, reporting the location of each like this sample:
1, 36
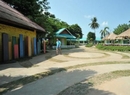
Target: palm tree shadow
93, 91
83, 88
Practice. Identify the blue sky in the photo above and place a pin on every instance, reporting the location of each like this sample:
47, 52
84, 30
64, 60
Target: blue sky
109, 13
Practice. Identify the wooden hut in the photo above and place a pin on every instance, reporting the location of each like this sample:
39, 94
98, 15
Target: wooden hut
110, 39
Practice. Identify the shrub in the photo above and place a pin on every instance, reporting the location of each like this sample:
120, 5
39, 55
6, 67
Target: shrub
89, 45
113, 48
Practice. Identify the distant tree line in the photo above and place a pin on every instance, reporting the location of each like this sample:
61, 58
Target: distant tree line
91, 36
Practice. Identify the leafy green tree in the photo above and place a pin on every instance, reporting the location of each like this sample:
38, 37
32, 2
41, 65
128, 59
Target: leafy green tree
104, 32
29, 8
48, 14
121, 28
52, 25
91, 37
36, 10
75, 30
128, 24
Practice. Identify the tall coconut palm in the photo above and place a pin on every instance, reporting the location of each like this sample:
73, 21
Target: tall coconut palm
129, 24
104, 32
94, 25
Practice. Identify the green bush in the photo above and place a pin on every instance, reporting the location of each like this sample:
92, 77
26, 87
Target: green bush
89, 45
113, 48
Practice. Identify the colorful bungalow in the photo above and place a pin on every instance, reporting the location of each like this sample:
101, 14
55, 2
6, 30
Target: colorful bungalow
65, 37
17, 34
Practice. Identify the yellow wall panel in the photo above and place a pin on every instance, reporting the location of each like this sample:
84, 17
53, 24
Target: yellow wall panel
14, 31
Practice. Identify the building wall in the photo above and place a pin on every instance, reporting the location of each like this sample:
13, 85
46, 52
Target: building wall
14, 31
64, 41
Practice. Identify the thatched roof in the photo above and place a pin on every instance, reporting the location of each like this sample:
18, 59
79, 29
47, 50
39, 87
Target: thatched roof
105, 37
125, 33
119, 38
111, 36
10, 16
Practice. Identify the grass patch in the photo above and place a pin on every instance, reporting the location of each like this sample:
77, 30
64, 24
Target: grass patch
113, 47
124, 56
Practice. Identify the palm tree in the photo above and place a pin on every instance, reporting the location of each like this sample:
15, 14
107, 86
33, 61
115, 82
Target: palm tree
94, 25
129, 24
104, 32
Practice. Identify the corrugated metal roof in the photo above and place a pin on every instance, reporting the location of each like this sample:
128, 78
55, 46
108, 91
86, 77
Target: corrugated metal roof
10, 15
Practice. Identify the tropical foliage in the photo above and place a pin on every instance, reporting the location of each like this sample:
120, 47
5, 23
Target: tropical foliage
91, 37
104, 32
37, 11
75, 30
94, 25
30, 8
113, 48
121, 28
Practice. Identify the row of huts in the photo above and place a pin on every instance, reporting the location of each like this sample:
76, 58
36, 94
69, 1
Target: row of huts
18, 35
121, 39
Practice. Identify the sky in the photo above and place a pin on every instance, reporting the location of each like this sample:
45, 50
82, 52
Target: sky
109, 13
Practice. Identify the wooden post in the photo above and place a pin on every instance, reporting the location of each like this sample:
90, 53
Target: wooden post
44, 46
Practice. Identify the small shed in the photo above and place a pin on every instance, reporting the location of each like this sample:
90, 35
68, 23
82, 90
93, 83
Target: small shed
125, 37
110, 39
65, 37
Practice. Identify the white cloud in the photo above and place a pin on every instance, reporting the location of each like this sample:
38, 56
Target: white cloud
105, 23
88, 16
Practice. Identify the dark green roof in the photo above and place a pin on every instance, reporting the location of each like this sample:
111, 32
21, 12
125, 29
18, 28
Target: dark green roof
82, 39
69, 35
61, 30
66, 36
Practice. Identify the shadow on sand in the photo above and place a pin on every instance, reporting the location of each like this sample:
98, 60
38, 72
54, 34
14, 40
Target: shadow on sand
54, 82
84, 89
